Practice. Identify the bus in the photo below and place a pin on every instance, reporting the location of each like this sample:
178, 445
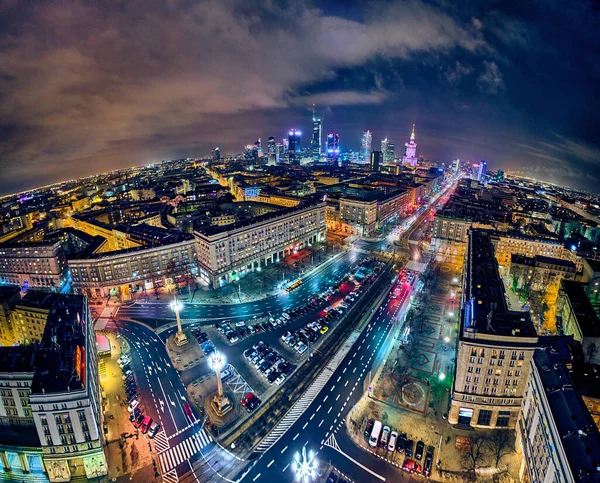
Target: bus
374, 439
294, 285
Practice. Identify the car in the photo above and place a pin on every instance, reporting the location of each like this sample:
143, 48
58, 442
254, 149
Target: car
132, 405
187, 409
272, 377
154, 427
138, 421
240, 324
332, 478
146, 422
393, 440
409, 448
285, 316
280, 379
302, 348
247, 398
270, 370
419, 450
286, 335
385, 434
369, 427
428, 461
253, 404
401, 442
131, 394
412, 466
135, 414
233, 339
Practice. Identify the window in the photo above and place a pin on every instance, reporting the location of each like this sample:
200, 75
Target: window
503, 419
484, 418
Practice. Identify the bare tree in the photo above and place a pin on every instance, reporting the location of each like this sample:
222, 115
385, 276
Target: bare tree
473, 458
500, 443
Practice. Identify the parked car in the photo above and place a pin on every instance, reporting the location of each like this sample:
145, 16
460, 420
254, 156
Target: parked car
428, 461
146, 422
412, 466
324, 329
369, 427
135, 414
384, 436
280, 379
138, 421
132, 405
247, 398
393, 440
419, 450
401, 442
409, 448
154, 427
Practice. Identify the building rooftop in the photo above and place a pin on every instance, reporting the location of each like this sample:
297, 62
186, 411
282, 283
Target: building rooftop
16, 359
584, 311
576, 429
539, 259
60, 359
484, 307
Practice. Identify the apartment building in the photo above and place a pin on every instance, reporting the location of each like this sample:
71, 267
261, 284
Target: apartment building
555, 433
495, 345
51, 397
118, 273
227, 253
33, 265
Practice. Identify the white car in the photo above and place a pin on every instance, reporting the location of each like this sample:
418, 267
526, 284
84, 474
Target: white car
280, 379
302, 348
234, 339
240, 324
132, 405
286, 316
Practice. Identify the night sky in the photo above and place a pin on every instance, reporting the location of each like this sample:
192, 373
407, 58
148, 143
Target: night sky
86, 87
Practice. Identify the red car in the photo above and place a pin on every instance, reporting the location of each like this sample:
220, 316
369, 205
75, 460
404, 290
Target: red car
247, 398
412, 466
187, 409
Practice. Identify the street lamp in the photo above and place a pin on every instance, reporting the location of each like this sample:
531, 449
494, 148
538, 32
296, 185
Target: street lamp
305, 467
220, 402
180, 337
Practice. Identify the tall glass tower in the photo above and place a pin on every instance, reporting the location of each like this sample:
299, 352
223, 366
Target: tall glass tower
317, 135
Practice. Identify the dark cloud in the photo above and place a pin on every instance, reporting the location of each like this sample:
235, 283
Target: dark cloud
91, 86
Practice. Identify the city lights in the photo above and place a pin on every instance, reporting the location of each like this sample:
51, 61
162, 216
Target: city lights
305, 466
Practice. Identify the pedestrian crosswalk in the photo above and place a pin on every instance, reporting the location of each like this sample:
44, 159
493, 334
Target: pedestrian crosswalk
183, 451
308, 397
161, 443
170, 477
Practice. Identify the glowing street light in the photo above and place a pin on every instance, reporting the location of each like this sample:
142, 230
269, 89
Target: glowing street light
442, 376
180, 337
305, 467
220, 402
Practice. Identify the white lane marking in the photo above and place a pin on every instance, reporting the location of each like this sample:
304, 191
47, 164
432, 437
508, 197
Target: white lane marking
269, 465
283, 450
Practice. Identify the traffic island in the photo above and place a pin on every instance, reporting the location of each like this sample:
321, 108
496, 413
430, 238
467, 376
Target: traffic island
185, 356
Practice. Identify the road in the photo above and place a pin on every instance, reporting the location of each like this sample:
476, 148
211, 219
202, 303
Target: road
162, 395
156, 314
321, 426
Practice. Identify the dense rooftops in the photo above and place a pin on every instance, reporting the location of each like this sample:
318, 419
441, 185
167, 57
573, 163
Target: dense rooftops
582, 307
485, 309
578, 433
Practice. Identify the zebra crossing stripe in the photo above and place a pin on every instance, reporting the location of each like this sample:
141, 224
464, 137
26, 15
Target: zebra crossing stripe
172, 457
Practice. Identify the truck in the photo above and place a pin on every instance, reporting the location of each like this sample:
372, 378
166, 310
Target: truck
374, 439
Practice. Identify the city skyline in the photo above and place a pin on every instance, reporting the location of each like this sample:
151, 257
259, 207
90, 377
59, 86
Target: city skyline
466, 78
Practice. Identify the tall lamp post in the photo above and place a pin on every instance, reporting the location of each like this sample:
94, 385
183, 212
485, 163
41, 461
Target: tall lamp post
220, 402
180, 337
305, 466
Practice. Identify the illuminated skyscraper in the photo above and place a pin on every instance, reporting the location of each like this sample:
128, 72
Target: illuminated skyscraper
294, 146
317, 134
365, 146
271, 151
455, 165
330, 145
387, 148
482, 171
333, 147
410, 151
216, 154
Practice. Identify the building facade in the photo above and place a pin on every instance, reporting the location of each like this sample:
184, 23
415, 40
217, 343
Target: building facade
119, 273
495, 345
226, 254
33, 265
556, 435
410, 151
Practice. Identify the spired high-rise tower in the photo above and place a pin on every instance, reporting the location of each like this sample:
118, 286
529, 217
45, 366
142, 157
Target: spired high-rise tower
294, 146
365, 146
271, 151
410, 151
317, 135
